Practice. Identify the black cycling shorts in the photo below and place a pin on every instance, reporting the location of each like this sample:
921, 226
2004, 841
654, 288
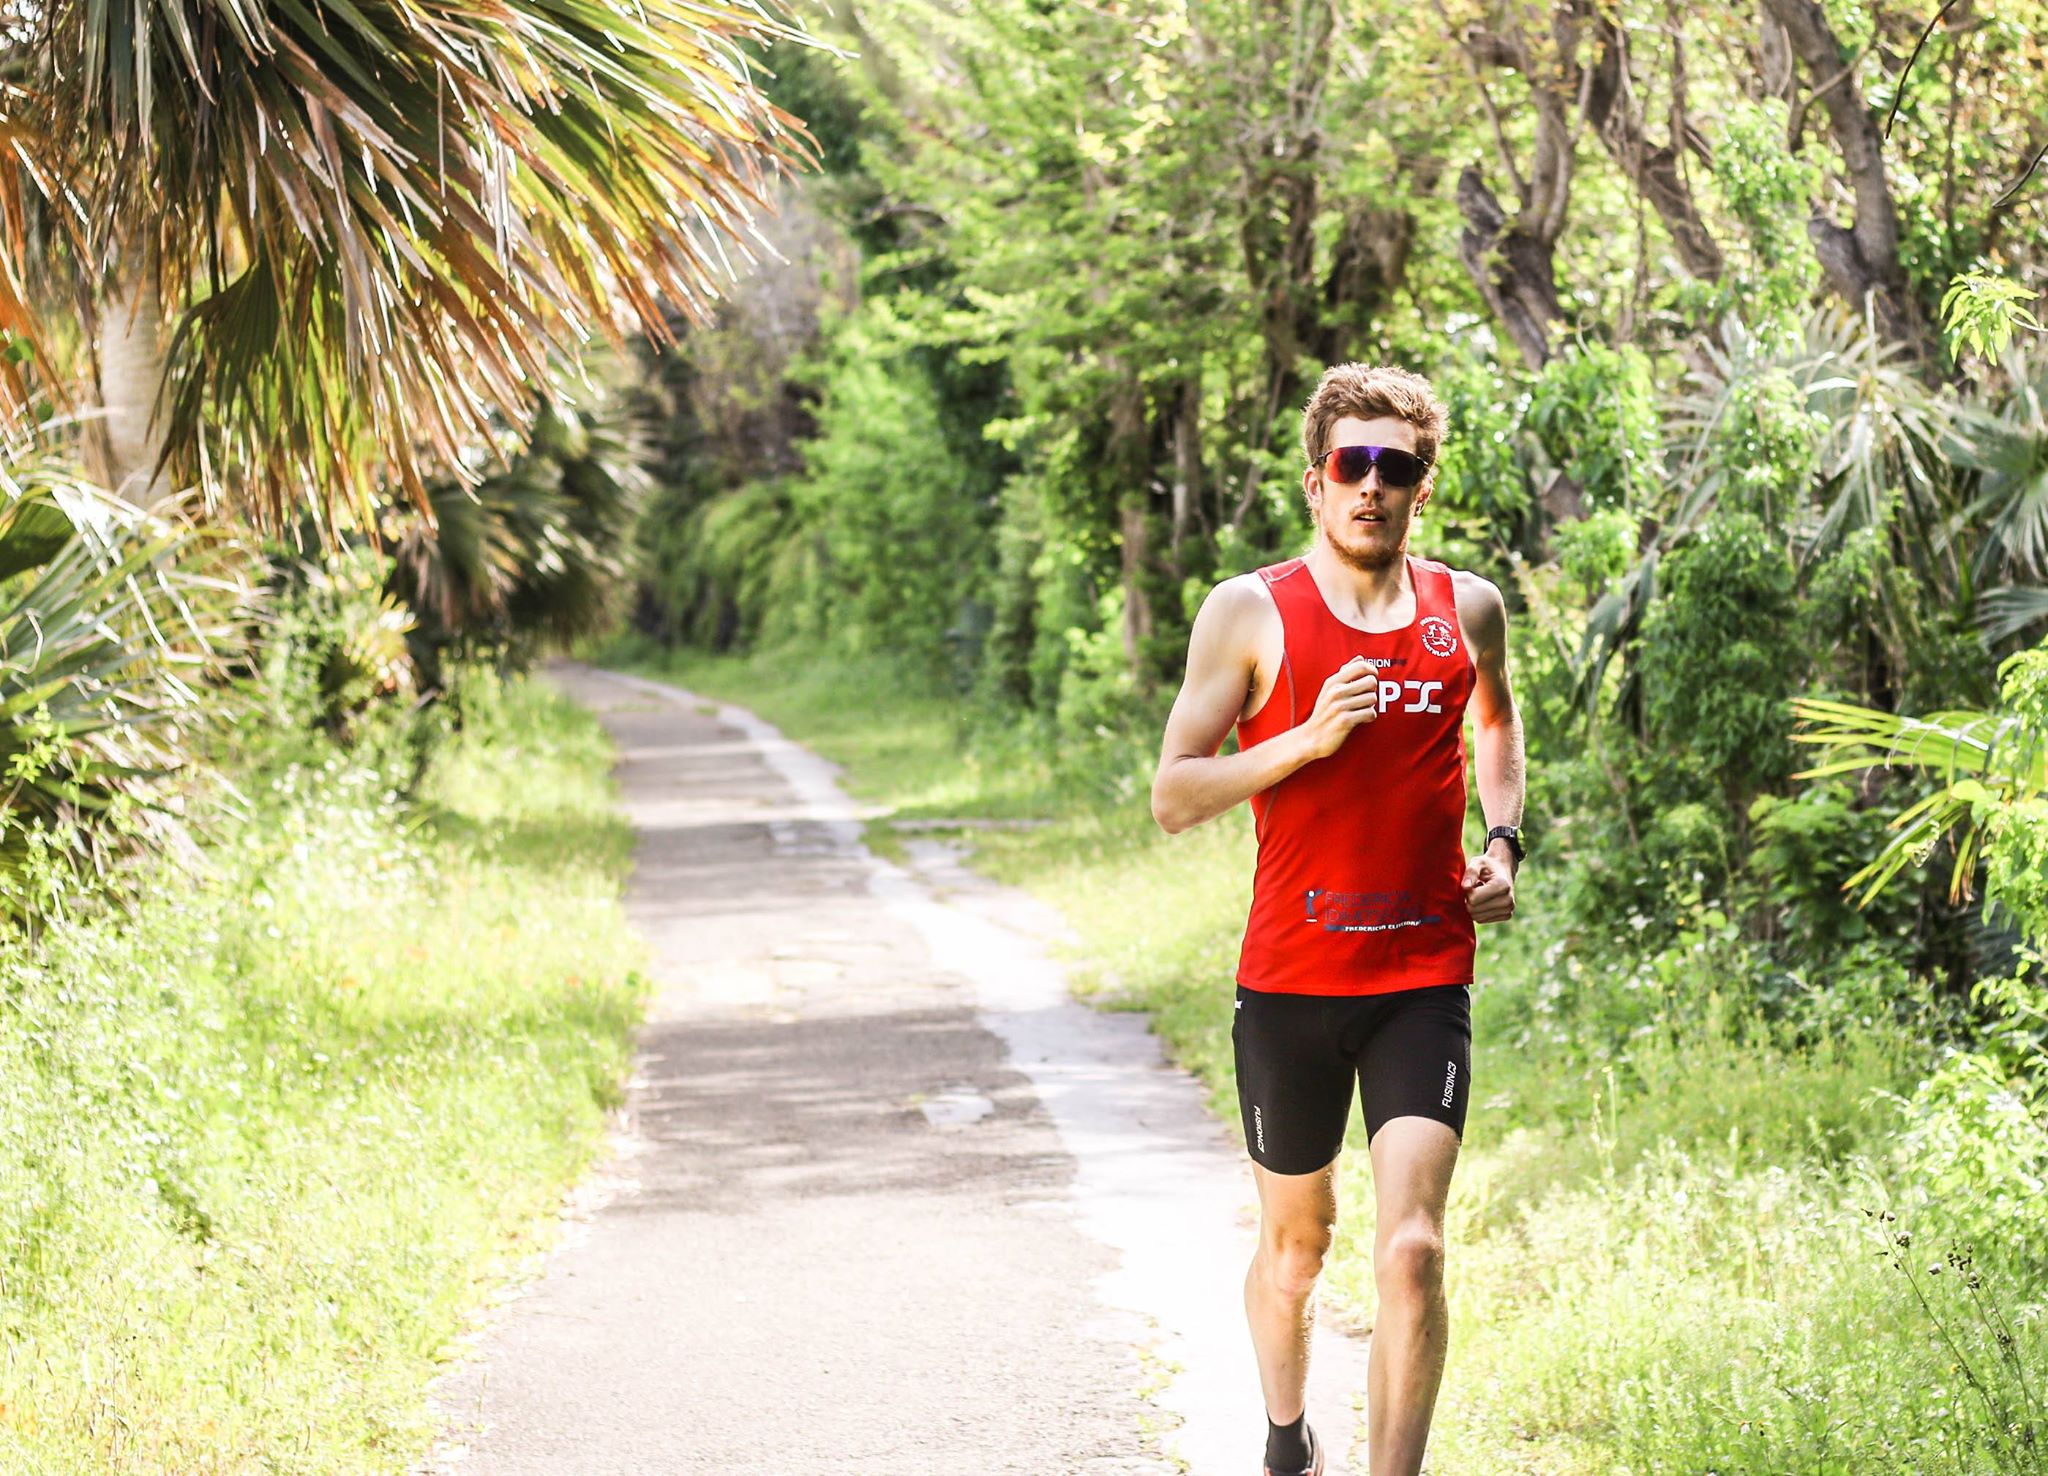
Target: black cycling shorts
1410, 1050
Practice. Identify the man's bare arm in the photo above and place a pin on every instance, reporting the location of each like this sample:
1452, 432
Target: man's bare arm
1497, 755
1194, 783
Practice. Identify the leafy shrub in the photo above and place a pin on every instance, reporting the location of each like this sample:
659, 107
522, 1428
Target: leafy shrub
1721, 652
336, 647
1594, 409
1805, 847
1768, 189
115, 626
1973, 1136
1594, 551
899, 517
1766, 445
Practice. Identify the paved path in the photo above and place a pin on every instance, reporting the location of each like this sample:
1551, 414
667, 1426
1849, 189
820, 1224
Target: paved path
886, 1200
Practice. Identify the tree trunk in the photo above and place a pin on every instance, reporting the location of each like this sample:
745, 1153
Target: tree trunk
1280, 163
1134, 526
1862, 262
1366, 267
1618, 119
131, 382
1510, 263
1185, 417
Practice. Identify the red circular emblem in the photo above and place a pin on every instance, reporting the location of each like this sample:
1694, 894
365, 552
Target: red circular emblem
1439, 636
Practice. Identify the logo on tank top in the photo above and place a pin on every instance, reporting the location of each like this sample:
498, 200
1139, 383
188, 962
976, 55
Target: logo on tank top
1365, 912
1439, 636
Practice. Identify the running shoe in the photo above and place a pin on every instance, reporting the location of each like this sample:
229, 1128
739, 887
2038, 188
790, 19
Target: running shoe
1315, 1458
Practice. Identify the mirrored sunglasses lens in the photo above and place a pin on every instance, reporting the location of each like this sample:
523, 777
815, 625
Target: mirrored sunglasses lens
1350, 463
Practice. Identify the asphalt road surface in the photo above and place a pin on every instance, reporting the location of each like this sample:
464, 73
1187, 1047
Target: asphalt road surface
883, 1198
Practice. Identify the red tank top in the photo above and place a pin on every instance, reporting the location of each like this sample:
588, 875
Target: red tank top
1361, 854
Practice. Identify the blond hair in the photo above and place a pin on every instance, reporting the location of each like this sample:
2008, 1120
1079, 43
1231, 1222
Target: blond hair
1368, 391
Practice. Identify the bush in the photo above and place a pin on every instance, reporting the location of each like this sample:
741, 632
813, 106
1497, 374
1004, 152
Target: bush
1721, 652
263, 1133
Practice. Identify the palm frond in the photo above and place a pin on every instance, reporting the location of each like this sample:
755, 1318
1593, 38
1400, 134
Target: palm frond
114, 622
1969, 754
390, 216
1881, 430
2010, 609
2006, 445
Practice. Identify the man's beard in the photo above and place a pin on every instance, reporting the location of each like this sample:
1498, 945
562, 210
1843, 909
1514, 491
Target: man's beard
1369, 560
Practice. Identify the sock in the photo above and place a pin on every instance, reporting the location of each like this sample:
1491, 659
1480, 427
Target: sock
1287, 1445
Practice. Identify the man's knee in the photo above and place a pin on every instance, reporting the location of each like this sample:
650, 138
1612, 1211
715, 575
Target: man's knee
1410, 1257
1292, 1257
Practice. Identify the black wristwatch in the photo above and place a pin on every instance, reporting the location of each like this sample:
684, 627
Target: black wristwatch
1512, 834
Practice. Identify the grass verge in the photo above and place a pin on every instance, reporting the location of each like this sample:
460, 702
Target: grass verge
268, 1138
1663, 1250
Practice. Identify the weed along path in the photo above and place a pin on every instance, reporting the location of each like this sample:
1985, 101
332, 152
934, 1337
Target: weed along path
885, 1199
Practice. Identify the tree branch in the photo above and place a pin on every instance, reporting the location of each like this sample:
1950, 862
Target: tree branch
1899, 92
1467, 48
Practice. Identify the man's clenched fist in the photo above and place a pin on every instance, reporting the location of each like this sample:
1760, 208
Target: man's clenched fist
1489, 889
1350, 697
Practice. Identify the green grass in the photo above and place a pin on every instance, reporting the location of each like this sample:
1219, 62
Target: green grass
267, 1142
1660, 1257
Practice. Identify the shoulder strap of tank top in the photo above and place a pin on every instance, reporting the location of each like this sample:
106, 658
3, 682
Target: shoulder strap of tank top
1435, 591
1276, 574
1292, 587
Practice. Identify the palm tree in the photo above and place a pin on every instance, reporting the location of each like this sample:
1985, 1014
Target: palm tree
322, 245
2005, 442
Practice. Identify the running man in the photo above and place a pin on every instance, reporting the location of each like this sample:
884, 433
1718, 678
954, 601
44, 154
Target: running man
1347, 673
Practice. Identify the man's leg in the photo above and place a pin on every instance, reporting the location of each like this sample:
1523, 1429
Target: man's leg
1412, 1159
1297, 1213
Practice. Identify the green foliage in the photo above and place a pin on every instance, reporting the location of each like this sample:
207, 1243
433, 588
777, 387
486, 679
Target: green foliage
268, 1131
1482, 486
1768, 190
1594, 551
1981, 310
1991, 770
2004, 441
113, 624
1974, 1136
1806, 846
1594, 410
900, 524
1721, 652
1976, 1129
337, 645
533, 556
1767, 443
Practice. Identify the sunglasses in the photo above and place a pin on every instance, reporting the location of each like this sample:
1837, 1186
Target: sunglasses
1348, 464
